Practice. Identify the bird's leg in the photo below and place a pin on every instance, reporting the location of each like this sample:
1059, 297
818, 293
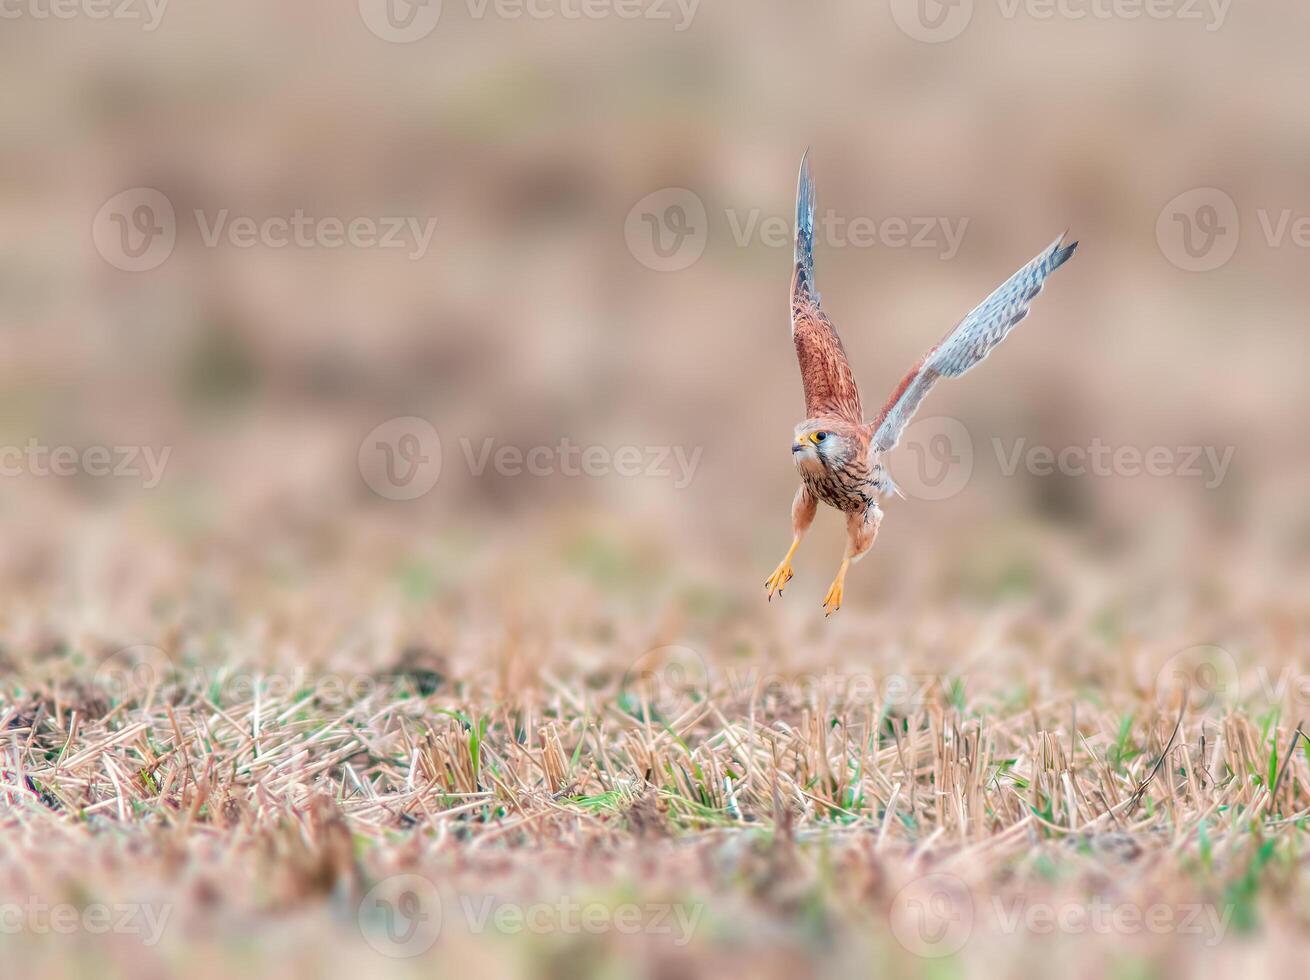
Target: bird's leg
782, 574
802, 515
832, 601
861, 529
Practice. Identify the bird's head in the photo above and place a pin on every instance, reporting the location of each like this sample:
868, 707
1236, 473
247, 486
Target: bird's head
824, 444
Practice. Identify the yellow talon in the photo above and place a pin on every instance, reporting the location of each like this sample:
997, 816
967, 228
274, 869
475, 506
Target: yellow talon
776, 581
832, 601
782, 574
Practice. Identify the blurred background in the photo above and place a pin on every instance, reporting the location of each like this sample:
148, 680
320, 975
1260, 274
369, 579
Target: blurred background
347, 293
523, 301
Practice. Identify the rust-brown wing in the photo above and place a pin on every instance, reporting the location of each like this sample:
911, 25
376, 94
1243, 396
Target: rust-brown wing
825, 373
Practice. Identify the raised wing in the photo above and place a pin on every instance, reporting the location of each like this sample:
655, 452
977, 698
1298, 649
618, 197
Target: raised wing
969, 343
825, 373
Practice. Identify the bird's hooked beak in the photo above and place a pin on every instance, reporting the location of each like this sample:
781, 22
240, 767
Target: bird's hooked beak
805, 455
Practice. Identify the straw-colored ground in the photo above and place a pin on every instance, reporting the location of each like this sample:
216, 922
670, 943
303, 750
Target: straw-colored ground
601, 782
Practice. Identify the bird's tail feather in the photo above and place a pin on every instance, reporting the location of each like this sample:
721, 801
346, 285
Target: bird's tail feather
804, 284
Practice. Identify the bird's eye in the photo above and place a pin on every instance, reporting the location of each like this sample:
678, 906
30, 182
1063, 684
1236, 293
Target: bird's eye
820, 436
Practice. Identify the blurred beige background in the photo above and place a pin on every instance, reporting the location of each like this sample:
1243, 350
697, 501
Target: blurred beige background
525, 147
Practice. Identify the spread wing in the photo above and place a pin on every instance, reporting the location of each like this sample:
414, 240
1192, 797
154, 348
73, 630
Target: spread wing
825, 373
969, 343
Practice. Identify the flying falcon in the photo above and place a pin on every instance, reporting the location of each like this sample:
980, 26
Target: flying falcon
837, 451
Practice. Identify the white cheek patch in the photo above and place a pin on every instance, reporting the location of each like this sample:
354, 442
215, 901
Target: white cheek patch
807, 459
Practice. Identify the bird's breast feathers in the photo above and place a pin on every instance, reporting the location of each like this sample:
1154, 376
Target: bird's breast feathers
849, 488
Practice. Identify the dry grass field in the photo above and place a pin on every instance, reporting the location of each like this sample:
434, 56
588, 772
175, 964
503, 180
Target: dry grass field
1010, 774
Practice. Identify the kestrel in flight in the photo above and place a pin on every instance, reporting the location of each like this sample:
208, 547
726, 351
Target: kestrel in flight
838, 452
